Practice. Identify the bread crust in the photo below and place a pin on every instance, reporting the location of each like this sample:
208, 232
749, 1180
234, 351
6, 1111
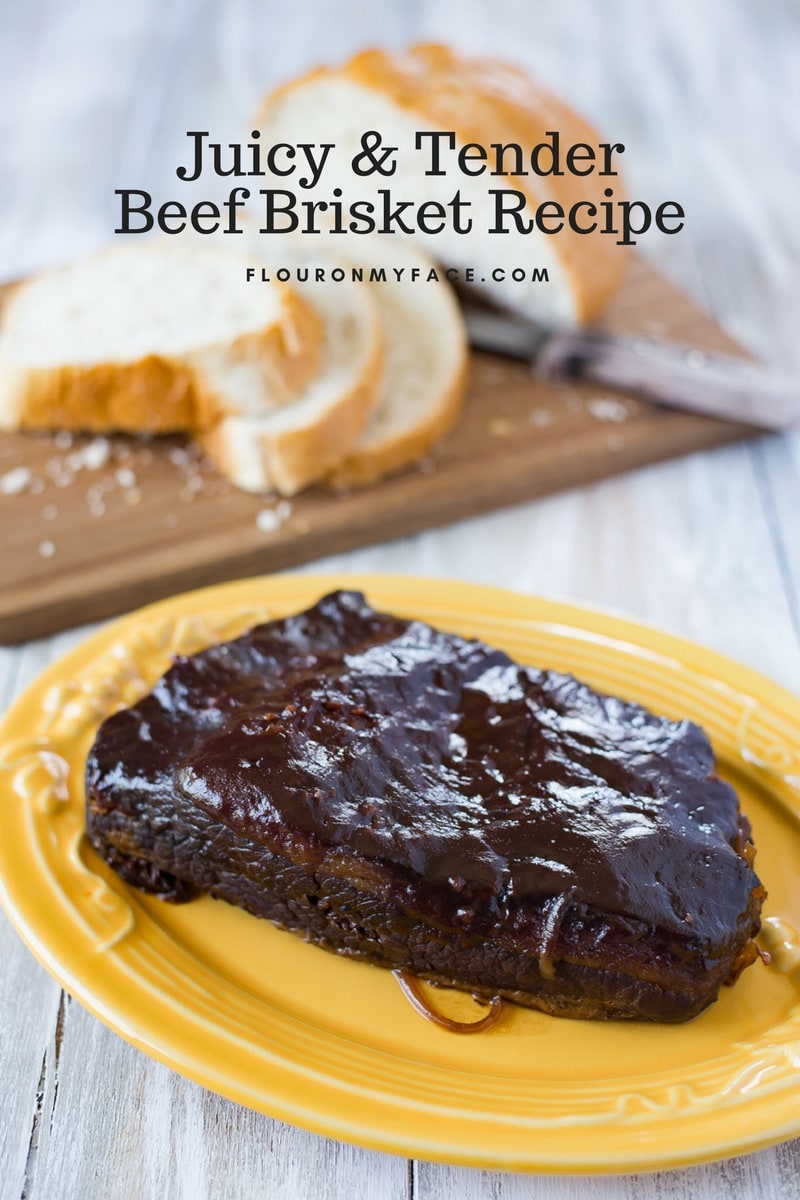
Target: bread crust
370, 464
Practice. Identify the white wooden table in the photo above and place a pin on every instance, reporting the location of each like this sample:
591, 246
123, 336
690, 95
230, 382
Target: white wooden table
706, 96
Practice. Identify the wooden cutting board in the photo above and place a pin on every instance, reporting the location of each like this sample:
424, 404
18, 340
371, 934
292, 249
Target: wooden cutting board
99, 527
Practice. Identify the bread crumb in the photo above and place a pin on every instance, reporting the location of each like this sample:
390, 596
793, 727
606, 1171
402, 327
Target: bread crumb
268, 520
96, 454
169, 520
132, 495
46, 549
501, 427
125, 477
15, 481
63, 440
606, 408
49, 512
92, 456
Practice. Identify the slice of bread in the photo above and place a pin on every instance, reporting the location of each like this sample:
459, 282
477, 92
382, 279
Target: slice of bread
424, 376
431, 88
298, 444
151, 338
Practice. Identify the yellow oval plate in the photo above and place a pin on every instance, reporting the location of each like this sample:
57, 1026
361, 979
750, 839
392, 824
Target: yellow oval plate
332, 1045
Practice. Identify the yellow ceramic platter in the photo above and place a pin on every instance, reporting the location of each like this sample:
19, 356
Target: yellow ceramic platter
332, 1045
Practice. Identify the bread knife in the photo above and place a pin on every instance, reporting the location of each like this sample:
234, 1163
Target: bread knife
712, 384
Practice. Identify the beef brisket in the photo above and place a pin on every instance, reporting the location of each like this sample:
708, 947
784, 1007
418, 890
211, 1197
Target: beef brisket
422, 801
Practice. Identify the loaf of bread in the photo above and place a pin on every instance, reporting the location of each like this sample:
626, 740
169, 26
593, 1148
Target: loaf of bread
154, 338
483, 101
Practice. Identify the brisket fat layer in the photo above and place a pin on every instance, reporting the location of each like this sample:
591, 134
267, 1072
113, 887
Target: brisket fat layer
419, 800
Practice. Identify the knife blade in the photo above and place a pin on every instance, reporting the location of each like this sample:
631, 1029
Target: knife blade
715, 385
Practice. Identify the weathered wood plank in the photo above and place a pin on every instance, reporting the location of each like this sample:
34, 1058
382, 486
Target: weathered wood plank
125, 1126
